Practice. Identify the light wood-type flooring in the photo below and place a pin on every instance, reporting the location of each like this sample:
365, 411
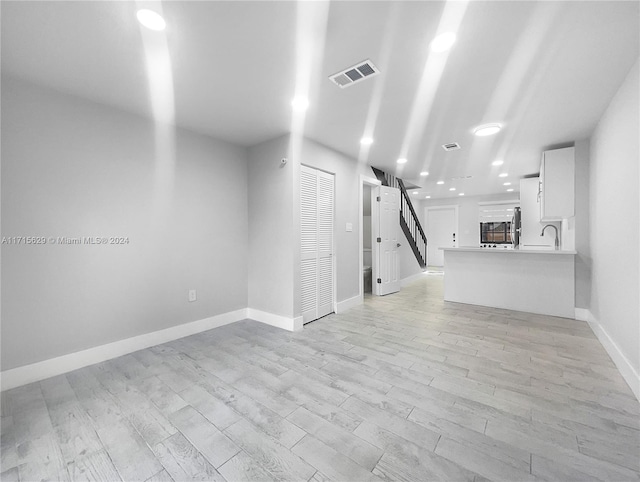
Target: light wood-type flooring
404, 387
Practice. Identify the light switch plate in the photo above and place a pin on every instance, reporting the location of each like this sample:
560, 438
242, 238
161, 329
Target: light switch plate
192, 295
349, 227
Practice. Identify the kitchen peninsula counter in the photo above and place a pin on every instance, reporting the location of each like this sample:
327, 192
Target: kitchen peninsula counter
532, 280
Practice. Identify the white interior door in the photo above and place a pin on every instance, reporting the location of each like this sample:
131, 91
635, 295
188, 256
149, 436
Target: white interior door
316, 235
386, 227
441, 230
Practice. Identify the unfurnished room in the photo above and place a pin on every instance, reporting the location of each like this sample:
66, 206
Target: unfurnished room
320, 240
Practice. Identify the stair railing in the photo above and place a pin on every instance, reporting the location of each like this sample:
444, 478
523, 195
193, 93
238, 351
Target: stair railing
409, 221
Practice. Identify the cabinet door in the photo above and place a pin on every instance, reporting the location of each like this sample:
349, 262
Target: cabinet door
557, 185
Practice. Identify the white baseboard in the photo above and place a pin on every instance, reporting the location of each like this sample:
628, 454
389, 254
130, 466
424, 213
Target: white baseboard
582, 314
625, 367
279, 321
412, 278
344, 305
63, 364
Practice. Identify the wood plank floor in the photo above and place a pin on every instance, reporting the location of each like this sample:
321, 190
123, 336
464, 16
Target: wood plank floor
405, 387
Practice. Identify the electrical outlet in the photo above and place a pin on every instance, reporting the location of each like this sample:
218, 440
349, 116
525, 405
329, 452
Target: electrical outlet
192, 295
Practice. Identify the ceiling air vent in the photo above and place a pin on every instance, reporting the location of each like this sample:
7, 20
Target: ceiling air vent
354, 74
453, 146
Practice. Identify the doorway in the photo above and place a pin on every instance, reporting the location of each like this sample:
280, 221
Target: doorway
441, 230
367, 261
366, 235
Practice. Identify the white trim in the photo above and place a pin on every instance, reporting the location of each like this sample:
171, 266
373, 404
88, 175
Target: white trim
342, 306
279, 321
57, 366
625, 367
410, 279
582, 314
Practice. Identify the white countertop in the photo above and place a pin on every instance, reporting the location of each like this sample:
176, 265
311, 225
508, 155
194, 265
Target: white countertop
477, 249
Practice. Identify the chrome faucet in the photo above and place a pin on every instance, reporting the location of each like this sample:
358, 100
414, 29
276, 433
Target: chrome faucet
552, 226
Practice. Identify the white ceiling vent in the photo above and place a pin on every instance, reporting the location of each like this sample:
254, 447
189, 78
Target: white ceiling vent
453, 146
354, 74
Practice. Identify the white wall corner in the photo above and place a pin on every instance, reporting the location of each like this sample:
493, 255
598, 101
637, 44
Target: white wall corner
35, 372
410, 279
626, 369
344, 305
582, 314
279, 321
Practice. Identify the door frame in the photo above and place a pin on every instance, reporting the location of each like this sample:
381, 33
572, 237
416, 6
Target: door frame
455, 207
372, 182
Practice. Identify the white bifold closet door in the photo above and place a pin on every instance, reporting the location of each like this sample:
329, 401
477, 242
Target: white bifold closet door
316, 233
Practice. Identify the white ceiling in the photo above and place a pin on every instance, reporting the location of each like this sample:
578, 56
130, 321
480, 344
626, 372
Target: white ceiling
545, 70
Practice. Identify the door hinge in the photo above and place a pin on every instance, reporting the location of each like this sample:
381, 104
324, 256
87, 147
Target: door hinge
379, 240
378, 198
379, 281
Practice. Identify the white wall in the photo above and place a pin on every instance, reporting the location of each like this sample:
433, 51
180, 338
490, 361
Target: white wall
582, 244
272, 239
468, 209
74, 168
614, 227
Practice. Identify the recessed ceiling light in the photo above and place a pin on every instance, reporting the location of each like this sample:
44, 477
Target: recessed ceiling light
443, 42
415, 192
503, 174
452, 189
510, 189
487, 130
150, 19
427, 197
366, 141
402, 160
507, 184
497, 163
461, 194
440, 182
300, 104
424, 173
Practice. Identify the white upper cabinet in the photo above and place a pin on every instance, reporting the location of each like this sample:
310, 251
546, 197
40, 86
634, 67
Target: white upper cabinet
557, 185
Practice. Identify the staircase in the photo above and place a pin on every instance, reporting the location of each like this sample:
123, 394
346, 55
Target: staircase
408, 218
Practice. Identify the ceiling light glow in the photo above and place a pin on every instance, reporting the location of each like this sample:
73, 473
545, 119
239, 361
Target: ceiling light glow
427, 197
461, 194
443, 42
497, 163
487, 130
300, 104
507, 184
440, 182
402, 160
510, 190
452, 189
150, 19
415, 192
503, 174
424, 173
366, 141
